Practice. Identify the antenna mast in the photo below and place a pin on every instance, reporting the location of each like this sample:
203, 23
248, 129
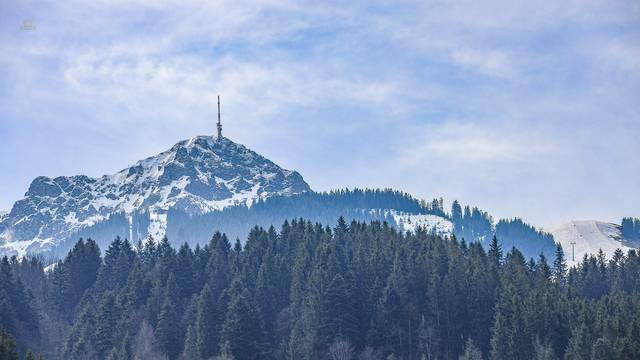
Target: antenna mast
219, 125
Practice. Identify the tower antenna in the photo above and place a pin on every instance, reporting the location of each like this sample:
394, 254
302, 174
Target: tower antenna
219, 125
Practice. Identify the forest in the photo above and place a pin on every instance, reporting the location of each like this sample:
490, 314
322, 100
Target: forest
630, 228
358, 290
363, 205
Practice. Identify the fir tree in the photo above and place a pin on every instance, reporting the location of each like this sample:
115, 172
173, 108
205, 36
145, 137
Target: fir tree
167, 332
241, 332
105, 325
495, 252
559, 266
206, 325
7, 347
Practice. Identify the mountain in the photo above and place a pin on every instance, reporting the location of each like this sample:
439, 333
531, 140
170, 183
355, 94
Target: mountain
205, 184
588, 237
195, 176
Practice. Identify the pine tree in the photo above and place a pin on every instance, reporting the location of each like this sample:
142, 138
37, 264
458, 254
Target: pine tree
81, 266
105, 325
206, 325
241, 331
337, 313
191, 351
218, 266
145, 345
456, 218
7, 347
267, 297
471, 351
298, 293
59, 290
495, 252
544, 352
184, 272
559, 266
167, 332
393, 309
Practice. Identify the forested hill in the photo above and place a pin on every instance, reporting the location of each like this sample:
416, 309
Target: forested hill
322, 207
314, 292
472, 224
236, 221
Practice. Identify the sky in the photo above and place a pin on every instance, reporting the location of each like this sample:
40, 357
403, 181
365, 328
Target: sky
522, 108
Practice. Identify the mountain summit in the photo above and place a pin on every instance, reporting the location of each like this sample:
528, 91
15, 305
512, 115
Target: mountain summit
196, 176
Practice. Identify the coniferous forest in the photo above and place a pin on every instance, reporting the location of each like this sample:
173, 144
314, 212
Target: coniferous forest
307, 291
366, 205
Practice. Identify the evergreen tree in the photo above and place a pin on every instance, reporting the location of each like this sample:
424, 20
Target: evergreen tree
241, 333
471, 351
167, 331
559, 266
456, 218
495, 252
7, 347
206, 325
308, 291
105, 325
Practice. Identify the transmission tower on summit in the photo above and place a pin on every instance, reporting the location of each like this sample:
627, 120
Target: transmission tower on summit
219, 125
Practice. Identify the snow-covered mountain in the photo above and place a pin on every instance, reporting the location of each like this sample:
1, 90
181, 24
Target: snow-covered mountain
589, 237
194, 188
195, 176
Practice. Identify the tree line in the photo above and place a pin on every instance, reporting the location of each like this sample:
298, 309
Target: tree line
353, 291
630, 228
365, 205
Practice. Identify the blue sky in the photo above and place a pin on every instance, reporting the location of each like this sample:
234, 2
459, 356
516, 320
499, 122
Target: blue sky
523, 108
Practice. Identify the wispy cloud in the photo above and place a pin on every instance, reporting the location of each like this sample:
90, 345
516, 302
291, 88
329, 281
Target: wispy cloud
491, 91
491, 63
477, 144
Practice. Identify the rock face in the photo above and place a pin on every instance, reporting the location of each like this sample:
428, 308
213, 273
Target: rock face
196, 176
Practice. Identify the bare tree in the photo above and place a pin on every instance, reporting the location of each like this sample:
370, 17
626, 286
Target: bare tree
224, 356
145, 346
341, 350
543, 351
369, 353
471, 351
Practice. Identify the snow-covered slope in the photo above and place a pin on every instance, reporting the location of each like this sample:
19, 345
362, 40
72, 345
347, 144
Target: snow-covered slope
589, 237
434, 223
196, 176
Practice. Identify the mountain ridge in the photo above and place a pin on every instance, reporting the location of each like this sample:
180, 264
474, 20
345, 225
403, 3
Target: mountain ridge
205, 184
197, 175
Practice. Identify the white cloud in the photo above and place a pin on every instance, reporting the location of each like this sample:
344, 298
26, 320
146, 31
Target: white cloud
475, 144
625, 55
374, 82
492, 63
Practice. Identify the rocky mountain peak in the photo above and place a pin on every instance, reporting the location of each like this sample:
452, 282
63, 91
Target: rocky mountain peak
197, 175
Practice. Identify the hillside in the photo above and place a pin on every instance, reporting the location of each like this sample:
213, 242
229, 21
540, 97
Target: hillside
589, 237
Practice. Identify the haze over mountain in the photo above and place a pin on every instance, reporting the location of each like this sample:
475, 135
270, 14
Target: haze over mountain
206, 184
